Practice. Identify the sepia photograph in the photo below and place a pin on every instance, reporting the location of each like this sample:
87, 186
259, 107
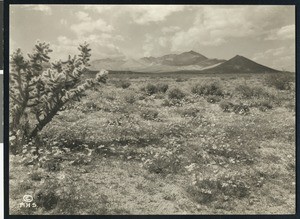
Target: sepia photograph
152, 109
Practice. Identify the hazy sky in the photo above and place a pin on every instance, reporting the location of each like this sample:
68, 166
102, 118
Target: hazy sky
265, 34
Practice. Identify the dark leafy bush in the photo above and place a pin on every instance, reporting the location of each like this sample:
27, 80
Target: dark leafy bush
176, 94
150, 89
250, 92
207, 89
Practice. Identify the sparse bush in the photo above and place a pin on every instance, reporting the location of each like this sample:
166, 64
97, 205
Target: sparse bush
166, 103
164, 164
90, 106
130, 98
281, 81
149, 114
207, 89
241, 109
162, 88
176, 94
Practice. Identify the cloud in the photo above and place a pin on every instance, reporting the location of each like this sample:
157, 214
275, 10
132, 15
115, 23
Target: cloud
279, 58
83, 16
90, 26
102, 46
284, 33
170, 29
213, 26
63, 22
140, 14
153, 13
216, 25
43, 8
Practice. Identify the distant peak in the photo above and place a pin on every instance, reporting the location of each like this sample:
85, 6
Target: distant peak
192, 52
239, 57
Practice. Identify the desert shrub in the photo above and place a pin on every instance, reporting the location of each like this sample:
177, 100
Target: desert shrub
189, 112
162, 88
36, 175
206, 190
149, 114
125, 84
166, 103
207, 89
52, 165
213, 99
164, 164
58, 194
252, 92
130, 98
90, 106
150, 89
176, 94
47, 199
240, 108
57, 137
226, 106
281, 81
262, 105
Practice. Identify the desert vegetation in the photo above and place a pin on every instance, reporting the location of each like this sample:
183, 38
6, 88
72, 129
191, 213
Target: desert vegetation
149, 144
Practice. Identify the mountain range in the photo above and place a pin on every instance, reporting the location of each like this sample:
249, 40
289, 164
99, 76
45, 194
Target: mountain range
183, 62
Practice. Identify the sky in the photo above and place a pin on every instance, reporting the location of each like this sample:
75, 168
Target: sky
265, 34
